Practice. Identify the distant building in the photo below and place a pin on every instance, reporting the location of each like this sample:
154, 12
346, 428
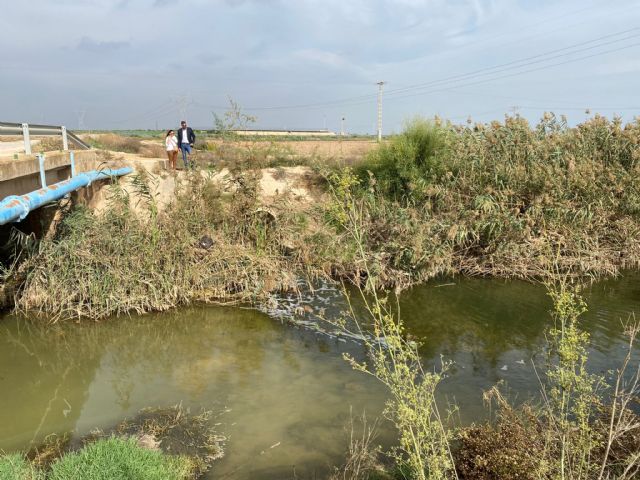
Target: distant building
286, 133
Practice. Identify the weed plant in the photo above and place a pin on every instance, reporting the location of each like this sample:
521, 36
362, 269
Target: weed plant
502, 199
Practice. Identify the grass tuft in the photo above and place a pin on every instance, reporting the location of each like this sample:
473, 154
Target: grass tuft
115, 458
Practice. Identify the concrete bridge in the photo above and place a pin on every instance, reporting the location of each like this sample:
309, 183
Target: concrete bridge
21, 171
24, 175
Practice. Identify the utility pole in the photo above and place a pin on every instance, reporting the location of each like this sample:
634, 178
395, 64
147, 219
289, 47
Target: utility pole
514, 109
380, 85
81, 114
183, 102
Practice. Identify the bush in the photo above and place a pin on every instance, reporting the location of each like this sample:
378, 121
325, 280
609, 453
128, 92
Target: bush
404, 166
116, 458
138, 259
513, 447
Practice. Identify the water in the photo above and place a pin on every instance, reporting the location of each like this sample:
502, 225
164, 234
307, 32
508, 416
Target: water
288, 392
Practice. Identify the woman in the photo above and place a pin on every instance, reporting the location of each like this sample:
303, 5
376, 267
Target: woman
171, 142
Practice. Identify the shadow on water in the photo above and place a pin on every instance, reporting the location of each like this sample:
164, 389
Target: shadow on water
287, 388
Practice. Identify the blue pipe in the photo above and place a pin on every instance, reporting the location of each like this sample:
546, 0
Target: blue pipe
16, 208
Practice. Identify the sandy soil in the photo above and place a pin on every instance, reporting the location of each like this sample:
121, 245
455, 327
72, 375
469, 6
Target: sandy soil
293, 183
14, 146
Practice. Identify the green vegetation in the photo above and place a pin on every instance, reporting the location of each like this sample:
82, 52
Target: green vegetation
501, 199
584, 429
118, 458
163, 444
16, 467
107, 459
404, 167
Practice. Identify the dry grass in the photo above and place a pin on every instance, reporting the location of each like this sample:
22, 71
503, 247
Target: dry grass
48, 144
116, 143
120, 262
499, 199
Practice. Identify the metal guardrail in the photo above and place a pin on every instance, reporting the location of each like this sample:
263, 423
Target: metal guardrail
26, 130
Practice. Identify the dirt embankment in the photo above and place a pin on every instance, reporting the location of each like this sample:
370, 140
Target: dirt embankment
297, 184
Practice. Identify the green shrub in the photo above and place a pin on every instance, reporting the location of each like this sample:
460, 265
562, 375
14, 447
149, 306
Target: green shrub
404, 166
116, 458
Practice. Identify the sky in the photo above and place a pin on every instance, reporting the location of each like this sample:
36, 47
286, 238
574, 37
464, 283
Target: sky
306, 64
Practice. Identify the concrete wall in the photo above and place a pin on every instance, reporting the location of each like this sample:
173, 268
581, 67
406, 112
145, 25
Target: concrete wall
22, 175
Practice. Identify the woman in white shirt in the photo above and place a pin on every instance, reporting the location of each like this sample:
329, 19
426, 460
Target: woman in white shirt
171, 142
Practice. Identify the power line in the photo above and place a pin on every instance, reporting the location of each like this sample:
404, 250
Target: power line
504, 67
525, 61
500, 77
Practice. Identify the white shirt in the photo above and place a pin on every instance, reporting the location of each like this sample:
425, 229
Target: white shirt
171, 143
185, 137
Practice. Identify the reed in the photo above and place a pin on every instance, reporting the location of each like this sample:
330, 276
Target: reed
497, 199
208, 245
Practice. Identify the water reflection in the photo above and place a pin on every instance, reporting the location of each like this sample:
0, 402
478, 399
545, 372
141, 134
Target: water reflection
283, 386
287, 388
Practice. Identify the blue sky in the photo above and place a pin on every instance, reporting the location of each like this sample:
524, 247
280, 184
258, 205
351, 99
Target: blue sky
132, 63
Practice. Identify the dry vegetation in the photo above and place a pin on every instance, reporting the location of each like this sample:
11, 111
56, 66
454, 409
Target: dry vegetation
121, 143
498, 199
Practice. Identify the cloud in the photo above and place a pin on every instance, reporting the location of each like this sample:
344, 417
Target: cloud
88, 44
275, 52
209, 58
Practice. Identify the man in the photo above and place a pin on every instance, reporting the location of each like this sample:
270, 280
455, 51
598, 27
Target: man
186, 139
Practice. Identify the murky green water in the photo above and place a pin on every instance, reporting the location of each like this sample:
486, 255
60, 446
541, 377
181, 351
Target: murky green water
287, 388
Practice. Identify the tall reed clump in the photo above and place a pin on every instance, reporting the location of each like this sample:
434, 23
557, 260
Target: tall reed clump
584, 429
212, 243
405, 166
493, 199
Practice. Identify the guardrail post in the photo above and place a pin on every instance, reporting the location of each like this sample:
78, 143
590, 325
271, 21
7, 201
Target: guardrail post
43, 176
72, 159
65, 140
25, 136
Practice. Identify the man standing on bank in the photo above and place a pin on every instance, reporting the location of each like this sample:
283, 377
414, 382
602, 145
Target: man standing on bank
186, 139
